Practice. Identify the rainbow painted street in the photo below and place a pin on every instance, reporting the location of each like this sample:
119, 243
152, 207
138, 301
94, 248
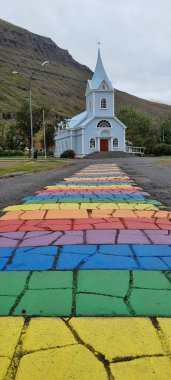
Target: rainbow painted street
85, 282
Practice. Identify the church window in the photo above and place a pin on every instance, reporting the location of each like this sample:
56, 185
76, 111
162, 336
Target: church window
103, 87
103, 103
103, 124
92, 143
115, 143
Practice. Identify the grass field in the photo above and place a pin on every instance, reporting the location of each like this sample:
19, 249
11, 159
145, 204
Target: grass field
29, 166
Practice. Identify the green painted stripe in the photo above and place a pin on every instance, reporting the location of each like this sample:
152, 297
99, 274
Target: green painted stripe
93, 200
86, 293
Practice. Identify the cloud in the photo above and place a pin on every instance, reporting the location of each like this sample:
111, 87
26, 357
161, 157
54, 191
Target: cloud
135, 37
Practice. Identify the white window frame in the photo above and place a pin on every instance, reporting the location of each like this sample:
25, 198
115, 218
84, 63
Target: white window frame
103, 99
116, 146
90, 145
108, 125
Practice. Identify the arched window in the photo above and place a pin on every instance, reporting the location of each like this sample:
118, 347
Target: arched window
115, 143
103, 103
92, 143
103, 87
103, 124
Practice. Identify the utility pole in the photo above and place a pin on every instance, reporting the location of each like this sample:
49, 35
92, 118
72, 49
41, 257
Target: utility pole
30, 77
44, 133
163, 135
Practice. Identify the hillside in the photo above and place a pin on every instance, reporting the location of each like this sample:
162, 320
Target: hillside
61, 84
154, 109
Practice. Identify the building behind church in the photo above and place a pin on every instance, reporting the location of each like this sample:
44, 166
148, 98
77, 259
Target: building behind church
97, 128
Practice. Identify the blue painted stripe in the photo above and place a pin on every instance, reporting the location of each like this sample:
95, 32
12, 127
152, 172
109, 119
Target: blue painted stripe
100, 196
123, 256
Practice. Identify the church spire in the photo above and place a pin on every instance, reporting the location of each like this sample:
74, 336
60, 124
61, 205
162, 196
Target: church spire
100, 74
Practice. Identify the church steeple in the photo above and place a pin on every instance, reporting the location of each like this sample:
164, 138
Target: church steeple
99, 75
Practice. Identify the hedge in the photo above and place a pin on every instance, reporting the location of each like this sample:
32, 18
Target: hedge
68, 154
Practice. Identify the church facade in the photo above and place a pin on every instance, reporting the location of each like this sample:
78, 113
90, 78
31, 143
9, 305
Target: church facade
97, 128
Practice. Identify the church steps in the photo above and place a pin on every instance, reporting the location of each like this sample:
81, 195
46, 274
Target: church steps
116, 154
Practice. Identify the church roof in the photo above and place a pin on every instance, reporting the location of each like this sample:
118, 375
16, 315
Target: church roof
74, 121
99, 75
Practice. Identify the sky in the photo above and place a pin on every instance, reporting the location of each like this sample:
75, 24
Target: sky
135, 37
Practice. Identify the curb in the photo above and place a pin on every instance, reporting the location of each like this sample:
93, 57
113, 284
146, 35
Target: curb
12, 175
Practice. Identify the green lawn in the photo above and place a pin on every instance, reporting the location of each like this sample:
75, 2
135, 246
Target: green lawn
29, 166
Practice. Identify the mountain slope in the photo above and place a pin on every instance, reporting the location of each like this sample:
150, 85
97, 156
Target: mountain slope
154, 109
61, 84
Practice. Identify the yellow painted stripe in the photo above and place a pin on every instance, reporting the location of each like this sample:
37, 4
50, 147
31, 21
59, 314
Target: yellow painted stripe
52, 348
83, 206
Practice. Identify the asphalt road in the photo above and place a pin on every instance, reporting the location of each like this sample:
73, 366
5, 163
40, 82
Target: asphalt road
152, 174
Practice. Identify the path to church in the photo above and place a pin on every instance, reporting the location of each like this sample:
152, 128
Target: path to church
85, 282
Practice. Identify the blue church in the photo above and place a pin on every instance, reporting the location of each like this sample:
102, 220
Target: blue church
97, 128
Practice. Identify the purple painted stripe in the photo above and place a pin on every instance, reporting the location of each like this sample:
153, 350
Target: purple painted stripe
46, 238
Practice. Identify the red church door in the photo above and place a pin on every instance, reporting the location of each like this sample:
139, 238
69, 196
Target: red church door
103, 145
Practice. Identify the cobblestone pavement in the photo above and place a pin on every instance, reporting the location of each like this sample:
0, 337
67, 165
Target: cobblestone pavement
85, 281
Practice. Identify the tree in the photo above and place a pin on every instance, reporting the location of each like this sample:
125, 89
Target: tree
165, 131
14, 140
23, 122
139, 125
2, 136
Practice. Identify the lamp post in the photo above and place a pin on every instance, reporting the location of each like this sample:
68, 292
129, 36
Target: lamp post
30, 77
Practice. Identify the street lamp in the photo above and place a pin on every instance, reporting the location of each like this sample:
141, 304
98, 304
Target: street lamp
30, 77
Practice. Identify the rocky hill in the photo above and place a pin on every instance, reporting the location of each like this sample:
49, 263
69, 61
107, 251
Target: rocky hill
61, 84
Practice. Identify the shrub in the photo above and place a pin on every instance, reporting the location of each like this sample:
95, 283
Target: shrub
68, 154
162, 149
11, 153
50, 153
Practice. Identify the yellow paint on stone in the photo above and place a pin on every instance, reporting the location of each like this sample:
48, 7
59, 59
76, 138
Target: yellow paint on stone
99, 206
84, 206
137, 206
4, 364
23, 207
165, 325
60, 206
10, 330
119, 337
47, 333
71, 362
118, 206
143, 369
